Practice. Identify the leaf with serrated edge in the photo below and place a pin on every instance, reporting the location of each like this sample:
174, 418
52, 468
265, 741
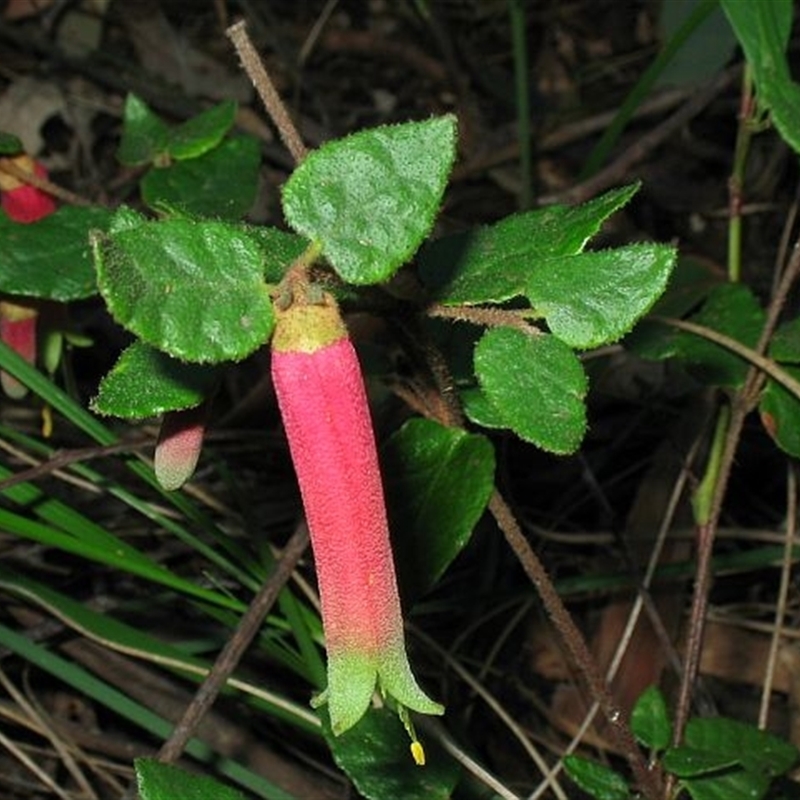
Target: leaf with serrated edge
146, 383
596, 297
492, 264
192, 289
371, 198
537, 385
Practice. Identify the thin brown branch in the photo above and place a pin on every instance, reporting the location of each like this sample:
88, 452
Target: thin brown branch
10, 168
235, 647
650, 782
256, 71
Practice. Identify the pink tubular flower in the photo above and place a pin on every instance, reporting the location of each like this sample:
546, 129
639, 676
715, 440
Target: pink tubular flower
325, 414
22, 203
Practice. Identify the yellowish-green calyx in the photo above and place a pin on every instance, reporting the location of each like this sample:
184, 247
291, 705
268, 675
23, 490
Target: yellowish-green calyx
305, 326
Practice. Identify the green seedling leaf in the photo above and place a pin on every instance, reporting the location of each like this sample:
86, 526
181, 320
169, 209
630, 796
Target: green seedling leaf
375, 755
780, 414
10, 145
438, 482
763, 30
146, 383
51, 258
733, 310
279, 249
600, 781
754, 749
194, 290
221, 183
144, 135
650, 720
202, 133
371, 198
493, 264
159, 781
537, 385
592, 298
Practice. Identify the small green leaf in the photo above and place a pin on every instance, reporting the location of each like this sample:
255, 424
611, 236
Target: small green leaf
202, 133
51, 258
780, 414
493, 264
600, 781
221, 183
194, 290
371, 198
689, 762
737, 783
10, 145
280, 249
438, 482
144, 135
158, 781
537, 385
650, 720
596, 297
754, 749
146, 383
479, 410
376, 757
785, 344
763, 30
733, 310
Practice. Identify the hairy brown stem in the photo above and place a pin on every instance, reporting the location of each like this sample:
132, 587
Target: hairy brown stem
743, 403
650, 782
254, 67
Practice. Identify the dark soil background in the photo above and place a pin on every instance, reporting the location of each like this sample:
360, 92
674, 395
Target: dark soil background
65, 68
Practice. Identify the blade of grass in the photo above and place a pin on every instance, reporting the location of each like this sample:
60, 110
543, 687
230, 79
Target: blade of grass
117, 635
642, 88
87, 684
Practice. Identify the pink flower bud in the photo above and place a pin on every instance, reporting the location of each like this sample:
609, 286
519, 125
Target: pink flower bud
180, 441
326, 416
22, 203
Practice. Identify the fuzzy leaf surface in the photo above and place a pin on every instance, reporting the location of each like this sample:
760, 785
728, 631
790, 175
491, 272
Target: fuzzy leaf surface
51, 258
158, 781
192, 289
202, 133
146, 383
438, 482
144, 134
650, 719
371, 198
596, 297
493, 263
537, 384
220, 183
600, 781
375, 755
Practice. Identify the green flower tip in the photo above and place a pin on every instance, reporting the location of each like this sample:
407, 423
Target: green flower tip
353, 679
